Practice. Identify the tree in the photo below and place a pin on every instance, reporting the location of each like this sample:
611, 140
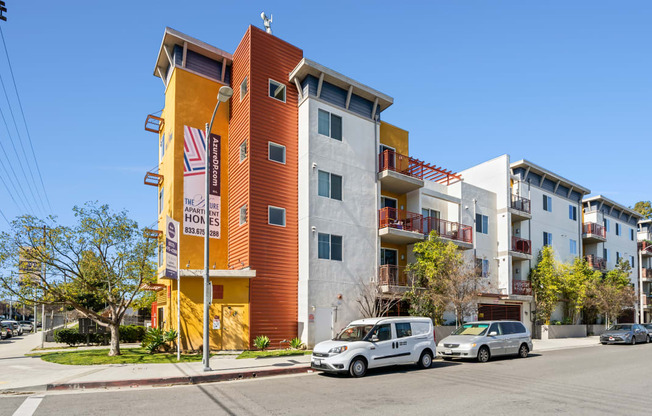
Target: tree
576, 280
610, 295
442, 280
644, 208
546, 283
103, 258
372, 301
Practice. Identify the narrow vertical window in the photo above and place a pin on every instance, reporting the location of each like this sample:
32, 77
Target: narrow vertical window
324, 242
243, 88
336, 247
243, 214
324, 123
324, 184
243, 150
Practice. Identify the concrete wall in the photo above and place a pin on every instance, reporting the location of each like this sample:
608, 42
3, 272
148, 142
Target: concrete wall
566, 331
321, 281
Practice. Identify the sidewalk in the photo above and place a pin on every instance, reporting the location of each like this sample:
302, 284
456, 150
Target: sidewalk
564, 343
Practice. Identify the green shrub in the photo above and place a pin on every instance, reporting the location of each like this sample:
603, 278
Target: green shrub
155, 339
296, 344
70, 336
261, 342
132, 333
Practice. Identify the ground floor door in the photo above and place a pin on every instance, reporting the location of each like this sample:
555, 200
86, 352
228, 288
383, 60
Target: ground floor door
234, 324
496, 312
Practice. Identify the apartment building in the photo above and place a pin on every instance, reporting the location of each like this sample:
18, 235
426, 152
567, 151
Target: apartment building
644, 237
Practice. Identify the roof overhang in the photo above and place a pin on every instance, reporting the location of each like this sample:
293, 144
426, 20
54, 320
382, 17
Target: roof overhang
173, 37
307, 67
523, 163
614, 204
240, 273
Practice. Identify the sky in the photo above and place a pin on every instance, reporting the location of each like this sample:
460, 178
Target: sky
564, 84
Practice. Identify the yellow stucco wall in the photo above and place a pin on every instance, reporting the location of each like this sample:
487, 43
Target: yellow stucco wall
394, 137
190, 100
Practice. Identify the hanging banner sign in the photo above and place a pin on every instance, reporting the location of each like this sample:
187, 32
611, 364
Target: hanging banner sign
29, 269
194, 182
171, 248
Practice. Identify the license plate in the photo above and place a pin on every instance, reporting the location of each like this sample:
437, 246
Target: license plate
317, 362
448, 352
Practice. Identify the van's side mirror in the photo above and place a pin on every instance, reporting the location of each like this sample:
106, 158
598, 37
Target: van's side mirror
493, 333
374, 338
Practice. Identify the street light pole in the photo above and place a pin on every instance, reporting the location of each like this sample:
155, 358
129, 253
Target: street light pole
223, 95
641, 312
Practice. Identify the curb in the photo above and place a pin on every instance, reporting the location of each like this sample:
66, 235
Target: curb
167, 381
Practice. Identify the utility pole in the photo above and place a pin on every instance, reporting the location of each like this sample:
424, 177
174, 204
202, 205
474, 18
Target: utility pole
42, 304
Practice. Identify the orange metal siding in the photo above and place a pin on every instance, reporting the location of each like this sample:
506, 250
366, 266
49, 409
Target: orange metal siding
272, 251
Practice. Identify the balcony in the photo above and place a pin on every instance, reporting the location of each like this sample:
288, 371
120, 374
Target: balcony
592, 232
153, 179
399, 227
646, 248
401, 174
596, 263
520, 208
460, 234
646, 274
154, 123
522, 287
393, 278
521, 248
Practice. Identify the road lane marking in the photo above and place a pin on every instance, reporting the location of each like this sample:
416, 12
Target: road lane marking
29, 406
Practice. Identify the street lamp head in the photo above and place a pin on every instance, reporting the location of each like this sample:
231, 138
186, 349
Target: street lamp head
224, 94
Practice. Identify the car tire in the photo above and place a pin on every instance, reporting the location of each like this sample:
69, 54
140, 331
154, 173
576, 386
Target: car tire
603, 343
523, 351
358, 367
447, 358
633, 340
647, 339
425, 361
483, 355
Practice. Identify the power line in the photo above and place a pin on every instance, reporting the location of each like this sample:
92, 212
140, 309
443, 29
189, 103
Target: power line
13, 184
9, 191
20, 105
6, 220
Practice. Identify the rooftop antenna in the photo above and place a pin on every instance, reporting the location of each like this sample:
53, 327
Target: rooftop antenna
267, 22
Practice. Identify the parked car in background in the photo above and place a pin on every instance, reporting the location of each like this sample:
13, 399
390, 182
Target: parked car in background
377, 342
483, 340
649, 331
7, 329
26, 325
17, 329
625, 334
3, 332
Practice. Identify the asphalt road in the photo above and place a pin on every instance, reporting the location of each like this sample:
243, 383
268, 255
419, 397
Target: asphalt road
612, 379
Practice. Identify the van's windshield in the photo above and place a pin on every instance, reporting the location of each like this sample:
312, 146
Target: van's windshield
471, 329
354, 333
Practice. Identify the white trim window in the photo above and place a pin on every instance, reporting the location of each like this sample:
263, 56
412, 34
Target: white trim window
329, 124
547, 203
618, 228
276, 90
244, 88
276, 152
481, 224
329, 185
329, 246
243, 150
547, 239
276, 216
572, 212
243, 214
573, 246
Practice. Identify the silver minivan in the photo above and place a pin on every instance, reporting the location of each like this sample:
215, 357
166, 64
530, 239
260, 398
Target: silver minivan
485, 339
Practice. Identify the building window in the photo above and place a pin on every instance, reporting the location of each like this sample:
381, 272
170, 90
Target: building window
330, 185
631, 234
329, 246
605, 254
573, 247
276, 153
572, 212
617, 256
482, 266
547, 239
631, 262
482, 223
276, 216
160, 201
243, 150
547, 203
160, 255
330, 125
243, 214
618, 229
606, 223
276, 90
243, 88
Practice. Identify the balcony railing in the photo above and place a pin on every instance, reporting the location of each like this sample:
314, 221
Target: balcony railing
645, 246
595, 262
390, 160
448, 229
521, 204
521, 245
522, 287
595, 229
390, 275
646, 273
401, 220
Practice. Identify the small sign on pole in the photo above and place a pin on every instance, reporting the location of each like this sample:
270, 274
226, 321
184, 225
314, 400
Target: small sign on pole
171, 248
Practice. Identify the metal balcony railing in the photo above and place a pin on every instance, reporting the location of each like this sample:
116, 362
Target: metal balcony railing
595, 229
448, 229
596, 262
645, 246
391, 275
521, 245
522, 287
390, 160
401, 220
646, 273
521, 204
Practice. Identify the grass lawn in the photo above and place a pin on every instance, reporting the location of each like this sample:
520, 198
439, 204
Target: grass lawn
272, 353
129, 356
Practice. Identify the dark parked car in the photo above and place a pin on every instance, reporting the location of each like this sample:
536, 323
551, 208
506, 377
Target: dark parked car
625, 334
649, 331
7, 330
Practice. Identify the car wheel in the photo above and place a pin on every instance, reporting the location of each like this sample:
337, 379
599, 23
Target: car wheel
523, 351
483, 355
647, 339
447, 358
633, 340
426, 360
358, 367
603, 343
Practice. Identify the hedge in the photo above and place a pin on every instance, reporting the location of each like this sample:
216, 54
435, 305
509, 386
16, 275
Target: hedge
71, 336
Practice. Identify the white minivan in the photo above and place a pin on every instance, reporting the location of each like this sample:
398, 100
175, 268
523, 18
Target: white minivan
377, 342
